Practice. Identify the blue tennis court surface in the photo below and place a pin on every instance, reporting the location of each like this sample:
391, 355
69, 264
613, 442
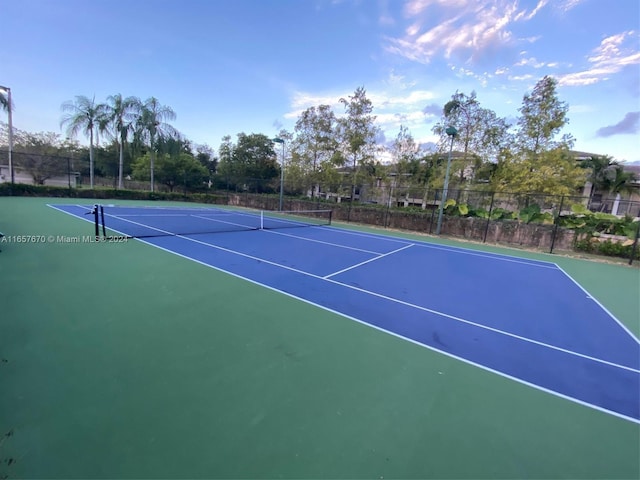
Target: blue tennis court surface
524, 319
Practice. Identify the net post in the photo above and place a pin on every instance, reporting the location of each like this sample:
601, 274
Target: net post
104, 229
261, 219
96, 221
330, 216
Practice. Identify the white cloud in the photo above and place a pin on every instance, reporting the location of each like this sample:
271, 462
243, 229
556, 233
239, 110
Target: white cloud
528, 16
396, 80
467, 27
530, 62
384, 103
568, 4
520, 78
610, 57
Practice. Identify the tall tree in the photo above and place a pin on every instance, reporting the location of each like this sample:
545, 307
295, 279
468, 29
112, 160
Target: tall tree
42, 155
83, 115
358, 131
481, 133
207, 158
151, 126
226, 167
118, 120
542, 117
256, 160
315, 141
405, 153
555, 172
251, 162
177, 170
404, 148
539, 162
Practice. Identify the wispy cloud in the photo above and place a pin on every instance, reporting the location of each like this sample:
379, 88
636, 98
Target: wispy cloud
520, 78
567, 5
461, 27
399, 81
630, 124
611, 56
529, 62
391, 109
524, 15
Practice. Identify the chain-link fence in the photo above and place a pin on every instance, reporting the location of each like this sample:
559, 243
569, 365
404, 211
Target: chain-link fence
600, 223
537, 221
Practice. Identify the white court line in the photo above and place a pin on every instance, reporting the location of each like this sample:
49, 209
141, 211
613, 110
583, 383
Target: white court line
464, 251
420, 244
246, 227
428, 347
460, 250
367, 261
418, 307
162, 207
277, 232
395, 300
150, 215
623, 326
502, 257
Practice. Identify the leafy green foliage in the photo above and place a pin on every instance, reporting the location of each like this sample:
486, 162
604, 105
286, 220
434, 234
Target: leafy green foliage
181, 170
357, 129
542, 117
607, 247
553, 172
251, 160
527, 214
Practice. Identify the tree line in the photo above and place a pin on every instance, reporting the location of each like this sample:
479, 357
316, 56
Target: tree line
327, 151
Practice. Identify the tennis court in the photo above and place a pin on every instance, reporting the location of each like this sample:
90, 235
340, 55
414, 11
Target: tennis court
568, 344
524, 323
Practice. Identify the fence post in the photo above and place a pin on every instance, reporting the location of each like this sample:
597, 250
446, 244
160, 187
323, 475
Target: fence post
353, 194
69, 174
635, 244
433, 211
555, 227
486, 227
386, 213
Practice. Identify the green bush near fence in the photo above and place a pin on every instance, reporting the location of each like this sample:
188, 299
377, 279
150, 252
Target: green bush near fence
26, 190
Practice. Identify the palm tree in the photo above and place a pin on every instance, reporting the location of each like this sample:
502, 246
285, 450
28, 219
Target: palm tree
151, 126
607, 175
118, 120
4, 101
84, 115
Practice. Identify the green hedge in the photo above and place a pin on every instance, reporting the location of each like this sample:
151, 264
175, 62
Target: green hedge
26, 190
607, 248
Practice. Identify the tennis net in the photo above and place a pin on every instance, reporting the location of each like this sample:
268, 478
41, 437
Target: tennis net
144, 222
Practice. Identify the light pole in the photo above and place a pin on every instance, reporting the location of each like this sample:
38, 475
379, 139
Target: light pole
8, 90
280, 140
452, 132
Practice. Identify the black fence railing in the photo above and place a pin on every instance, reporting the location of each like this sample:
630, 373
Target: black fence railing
601, 223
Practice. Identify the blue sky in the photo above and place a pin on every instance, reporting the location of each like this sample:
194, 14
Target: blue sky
231, 66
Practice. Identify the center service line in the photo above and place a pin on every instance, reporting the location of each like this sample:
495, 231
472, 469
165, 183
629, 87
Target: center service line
367, 261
